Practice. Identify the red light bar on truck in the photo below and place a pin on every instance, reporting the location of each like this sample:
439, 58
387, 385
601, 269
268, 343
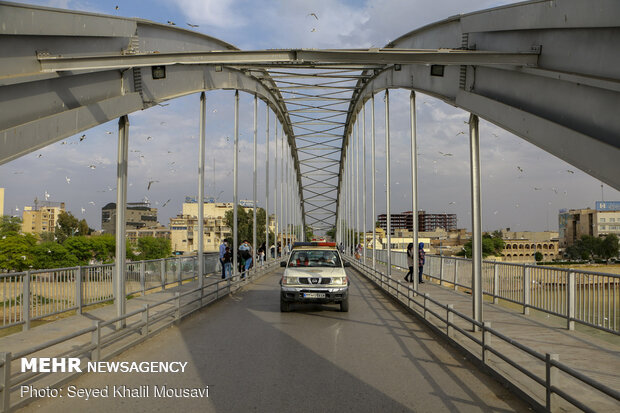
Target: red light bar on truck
314, 244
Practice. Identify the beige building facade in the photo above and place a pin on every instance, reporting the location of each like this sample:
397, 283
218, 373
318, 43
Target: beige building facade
601, 221
134, 234
184, 227
138, 215
43, 217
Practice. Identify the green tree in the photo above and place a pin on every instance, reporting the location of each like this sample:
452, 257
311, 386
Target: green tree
52, 255
245, 220
331, 233
66, 226
83, 228
609, 246
10, 225
491, 245
538, 256
103, 247
15, 251
81, 247
47, 236
309, 233
151, 248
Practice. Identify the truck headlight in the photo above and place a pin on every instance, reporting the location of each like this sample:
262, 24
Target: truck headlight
289, 280
339, 280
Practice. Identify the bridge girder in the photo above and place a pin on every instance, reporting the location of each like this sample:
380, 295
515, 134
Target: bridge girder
567, 105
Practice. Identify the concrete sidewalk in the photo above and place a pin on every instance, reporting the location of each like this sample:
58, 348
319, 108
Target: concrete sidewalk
596, 355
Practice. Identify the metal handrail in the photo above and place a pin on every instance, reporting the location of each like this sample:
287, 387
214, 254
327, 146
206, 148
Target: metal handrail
550, 387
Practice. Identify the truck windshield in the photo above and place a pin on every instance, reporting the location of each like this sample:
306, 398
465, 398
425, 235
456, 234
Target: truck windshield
314, 258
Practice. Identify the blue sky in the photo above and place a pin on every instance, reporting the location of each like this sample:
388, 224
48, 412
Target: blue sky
523, 187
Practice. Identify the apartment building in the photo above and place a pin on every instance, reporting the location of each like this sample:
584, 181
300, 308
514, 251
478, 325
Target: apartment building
138, 215
42, 217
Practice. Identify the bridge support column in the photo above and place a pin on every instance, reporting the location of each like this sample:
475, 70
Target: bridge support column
267, 249
254, 192
387, 183
275, 192
364, 246
235, 185
414, 188
201, 191
121, 202
476, 251
372, 190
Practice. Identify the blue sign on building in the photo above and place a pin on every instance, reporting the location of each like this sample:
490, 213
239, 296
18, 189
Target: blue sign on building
608, 205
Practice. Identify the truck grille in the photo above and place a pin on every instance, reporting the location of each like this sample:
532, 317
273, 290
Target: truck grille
314, 280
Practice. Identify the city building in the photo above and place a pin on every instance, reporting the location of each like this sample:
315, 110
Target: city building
138, 215
598, 222
42, 217
134, 234
522, 246
426, 222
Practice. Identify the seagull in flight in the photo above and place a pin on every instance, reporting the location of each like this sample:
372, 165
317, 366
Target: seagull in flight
68, 179
165, 203
148, 188
520, 169
192, 25
313, 15
445, 154
82, 137
171, 23
570, 172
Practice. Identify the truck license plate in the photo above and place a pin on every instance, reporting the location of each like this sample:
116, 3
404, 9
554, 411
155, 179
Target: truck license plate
314, 295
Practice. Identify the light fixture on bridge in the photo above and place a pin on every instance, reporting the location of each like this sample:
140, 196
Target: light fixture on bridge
158, 72
218, 68
437, 70
397, 67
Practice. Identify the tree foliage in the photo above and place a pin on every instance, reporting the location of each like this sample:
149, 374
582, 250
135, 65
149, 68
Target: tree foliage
151, 248
245, 221
492, 244
589, 247
52, 255
16, 251
10, 225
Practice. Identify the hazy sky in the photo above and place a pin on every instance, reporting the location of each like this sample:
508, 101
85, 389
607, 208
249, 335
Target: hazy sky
523, 187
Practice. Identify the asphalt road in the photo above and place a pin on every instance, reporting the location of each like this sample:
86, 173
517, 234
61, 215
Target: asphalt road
252, 358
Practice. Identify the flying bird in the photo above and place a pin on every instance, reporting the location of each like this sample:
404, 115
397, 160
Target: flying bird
83, 210
460, 133
570, 172
165, 203
520, 169
313, 30
63, 143
451, 203
162, 123
108, 132
92, 203
82, 137
163, 104
91, 166
148, 188
445, 154
39, 155
148, 138
116, 8
68, 179
313, 15
171, 23
537, 189
192, 25
47, 196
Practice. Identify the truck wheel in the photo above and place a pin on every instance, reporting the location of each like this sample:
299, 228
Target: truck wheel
344, 305
284, 306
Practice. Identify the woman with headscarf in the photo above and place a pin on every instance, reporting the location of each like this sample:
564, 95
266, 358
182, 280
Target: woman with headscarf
421, 256
409, 262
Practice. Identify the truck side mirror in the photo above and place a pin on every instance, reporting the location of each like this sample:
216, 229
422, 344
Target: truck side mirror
282, 263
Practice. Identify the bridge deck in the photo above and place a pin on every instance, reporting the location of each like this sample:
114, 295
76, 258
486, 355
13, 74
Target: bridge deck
591, 352
254, 358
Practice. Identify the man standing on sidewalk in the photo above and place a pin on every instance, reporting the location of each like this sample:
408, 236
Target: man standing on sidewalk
223, 246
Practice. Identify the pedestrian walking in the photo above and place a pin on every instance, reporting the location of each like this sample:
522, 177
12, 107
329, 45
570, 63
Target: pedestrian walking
421, 256
228, 262
246, 253
409, 276
223, 247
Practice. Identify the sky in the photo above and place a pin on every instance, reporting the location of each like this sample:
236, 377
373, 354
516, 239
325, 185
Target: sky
523, 187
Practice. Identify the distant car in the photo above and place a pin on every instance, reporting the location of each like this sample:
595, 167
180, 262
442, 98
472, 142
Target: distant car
314, 274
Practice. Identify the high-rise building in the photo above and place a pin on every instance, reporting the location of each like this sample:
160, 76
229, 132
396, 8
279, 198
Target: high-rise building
1, 201
42, 217
138, 215
426, 222
598, 222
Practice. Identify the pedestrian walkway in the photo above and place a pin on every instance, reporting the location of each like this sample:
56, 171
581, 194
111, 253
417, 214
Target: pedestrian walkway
596, 355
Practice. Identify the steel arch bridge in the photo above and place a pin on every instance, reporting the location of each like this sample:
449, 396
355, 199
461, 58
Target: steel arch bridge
547, 71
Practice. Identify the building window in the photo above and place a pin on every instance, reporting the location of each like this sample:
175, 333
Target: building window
602, 220
603, 227
612, 219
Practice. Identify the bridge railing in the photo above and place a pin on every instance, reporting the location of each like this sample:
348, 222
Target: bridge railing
97, 343
586, 297
53, 291
487, 346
